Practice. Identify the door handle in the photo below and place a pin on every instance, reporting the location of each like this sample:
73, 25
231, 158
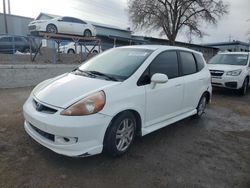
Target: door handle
178, 85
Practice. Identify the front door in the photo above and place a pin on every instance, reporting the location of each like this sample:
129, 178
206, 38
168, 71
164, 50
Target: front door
164, 101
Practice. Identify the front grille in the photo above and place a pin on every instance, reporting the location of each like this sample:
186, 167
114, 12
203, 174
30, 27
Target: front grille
42, 108
216, 73
32, 27
43, 134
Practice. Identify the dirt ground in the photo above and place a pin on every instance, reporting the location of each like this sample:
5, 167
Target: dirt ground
211, 152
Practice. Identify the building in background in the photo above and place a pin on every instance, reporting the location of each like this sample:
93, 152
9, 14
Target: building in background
234, 46
17, 25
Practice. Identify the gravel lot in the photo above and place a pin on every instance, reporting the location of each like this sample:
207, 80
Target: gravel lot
211, 152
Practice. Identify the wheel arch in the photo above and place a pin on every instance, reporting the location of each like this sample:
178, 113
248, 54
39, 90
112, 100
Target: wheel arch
137, 117
208, 96
87, 30
70, 49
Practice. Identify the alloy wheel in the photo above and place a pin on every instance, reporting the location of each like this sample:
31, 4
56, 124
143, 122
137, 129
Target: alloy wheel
125, 134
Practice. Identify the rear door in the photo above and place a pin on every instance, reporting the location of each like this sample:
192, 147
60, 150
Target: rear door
79, 26
193, 80
165, 100
65, 25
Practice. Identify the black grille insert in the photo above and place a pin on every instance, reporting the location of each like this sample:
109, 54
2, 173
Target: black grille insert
32, 27
42, 108
44, 134
216, 72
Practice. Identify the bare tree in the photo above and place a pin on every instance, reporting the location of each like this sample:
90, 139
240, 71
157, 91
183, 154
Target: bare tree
171, 16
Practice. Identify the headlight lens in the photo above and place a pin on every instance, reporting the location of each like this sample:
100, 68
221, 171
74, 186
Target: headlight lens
234, 72
88, 105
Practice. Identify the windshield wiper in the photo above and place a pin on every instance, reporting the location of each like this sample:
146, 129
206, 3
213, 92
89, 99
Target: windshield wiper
85, 73
102, 74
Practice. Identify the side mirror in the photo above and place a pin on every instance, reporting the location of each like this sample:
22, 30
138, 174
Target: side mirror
158, 78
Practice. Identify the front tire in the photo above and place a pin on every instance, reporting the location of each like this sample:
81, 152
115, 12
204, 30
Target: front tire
201, 106
120, 134
51, 28
243, 89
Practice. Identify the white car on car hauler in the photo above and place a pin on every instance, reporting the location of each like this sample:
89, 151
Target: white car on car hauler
120, 93
71, 49
231, 70
63, 25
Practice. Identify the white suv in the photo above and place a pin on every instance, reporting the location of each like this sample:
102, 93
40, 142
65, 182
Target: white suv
120, 93
231, 70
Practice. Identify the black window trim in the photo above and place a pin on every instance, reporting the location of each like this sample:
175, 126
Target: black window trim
148, 67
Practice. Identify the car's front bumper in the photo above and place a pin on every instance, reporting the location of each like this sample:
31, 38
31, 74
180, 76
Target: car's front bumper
86, 133
37, 27
231, 82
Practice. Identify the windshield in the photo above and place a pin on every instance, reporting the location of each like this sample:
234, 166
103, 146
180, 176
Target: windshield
229, 59
120, 63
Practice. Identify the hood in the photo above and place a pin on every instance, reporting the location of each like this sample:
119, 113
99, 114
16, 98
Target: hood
69, 88
224, 67
38, 21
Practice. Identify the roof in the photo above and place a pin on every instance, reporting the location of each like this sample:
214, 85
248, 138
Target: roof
93, 23
236, 42
159, 47
176, 42
236, 53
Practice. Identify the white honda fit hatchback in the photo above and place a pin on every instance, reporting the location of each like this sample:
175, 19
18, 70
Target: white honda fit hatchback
123, 92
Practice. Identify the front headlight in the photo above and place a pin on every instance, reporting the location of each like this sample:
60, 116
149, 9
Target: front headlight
88, 105
234, 72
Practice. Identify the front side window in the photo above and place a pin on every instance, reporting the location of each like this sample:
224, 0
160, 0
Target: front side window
66, 19
188, 63
229, 59
165, 63
120, 63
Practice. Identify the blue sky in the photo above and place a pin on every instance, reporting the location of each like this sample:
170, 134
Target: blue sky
114, 12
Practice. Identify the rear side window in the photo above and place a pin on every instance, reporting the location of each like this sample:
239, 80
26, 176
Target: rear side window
188, 63
200, 62
6, 39
165, 63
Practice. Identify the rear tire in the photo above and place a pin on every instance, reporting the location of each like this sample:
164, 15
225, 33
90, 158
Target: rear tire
243, 89
120, 134
201, 106
87, 33
71, 51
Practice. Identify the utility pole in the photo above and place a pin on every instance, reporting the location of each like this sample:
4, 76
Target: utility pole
5, 18
9, 7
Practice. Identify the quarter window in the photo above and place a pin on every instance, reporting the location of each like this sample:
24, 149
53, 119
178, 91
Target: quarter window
165, 63
200, 61
188, 63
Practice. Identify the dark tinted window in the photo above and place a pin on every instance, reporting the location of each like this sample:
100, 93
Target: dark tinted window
188, 63
165, 63
19, 39
67, 19
78, 21
6, 39
200, 62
